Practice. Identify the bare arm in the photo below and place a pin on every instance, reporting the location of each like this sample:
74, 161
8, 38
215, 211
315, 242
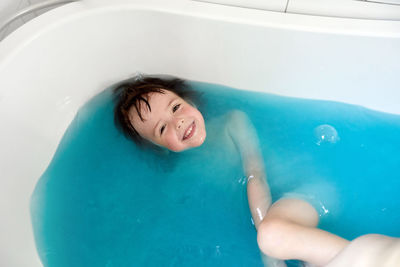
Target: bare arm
245, 138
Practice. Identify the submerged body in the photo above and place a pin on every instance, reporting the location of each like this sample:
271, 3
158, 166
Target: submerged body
179, 204
286, 229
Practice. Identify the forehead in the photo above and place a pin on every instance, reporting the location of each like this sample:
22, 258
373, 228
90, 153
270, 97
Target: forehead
155, 100
158, 102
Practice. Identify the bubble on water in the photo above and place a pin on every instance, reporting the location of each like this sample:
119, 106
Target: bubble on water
326, 134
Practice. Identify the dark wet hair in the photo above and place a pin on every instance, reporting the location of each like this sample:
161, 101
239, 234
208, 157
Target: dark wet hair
132, 93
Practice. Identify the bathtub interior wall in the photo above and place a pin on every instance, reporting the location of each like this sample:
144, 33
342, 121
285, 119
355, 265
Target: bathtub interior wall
52, 65
10, 7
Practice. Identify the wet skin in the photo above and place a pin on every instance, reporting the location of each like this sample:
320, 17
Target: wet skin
172, 122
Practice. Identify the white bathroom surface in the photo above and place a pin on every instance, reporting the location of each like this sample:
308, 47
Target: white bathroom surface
50, 66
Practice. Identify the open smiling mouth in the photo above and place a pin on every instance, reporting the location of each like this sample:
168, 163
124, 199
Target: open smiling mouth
189, 131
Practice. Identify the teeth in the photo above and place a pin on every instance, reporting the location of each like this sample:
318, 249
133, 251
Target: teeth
189, 131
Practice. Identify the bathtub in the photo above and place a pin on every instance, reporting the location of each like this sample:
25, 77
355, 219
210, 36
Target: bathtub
56, 62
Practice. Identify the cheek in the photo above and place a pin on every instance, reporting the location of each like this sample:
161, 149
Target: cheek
172, 142
192, 111
175, 147
199, 116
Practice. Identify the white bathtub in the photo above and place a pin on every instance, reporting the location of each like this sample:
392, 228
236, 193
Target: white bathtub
53, 64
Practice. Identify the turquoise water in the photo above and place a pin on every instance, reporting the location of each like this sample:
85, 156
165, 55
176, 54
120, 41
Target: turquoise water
104, 202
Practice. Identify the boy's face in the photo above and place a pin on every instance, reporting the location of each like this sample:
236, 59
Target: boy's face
172, 122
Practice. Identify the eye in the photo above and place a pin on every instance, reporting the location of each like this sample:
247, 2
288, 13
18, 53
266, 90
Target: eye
176, 107
162, 129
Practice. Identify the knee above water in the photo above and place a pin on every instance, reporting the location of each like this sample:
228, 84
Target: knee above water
271, 237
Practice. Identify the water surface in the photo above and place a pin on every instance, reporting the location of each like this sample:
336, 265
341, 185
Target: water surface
104, 202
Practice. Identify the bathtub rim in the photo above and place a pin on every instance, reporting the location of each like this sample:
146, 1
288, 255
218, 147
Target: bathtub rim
50, 20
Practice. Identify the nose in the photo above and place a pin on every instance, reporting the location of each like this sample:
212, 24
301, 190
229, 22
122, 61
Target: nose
179, 123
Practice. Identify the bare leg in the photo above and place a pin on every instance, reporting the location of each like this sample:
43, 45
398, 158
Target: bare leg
288, 232
369, 251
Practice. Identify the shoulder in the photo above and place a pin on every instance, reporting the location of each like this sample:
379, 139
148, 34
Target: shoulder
241, 129
237, 119
237, 114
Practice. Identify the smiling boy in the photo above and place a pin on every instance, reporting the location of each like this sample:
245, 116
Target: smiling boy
159, 111
167, 120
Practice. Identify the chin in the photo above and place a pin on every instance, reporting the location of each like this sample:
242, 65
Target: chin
199, 141
195, 143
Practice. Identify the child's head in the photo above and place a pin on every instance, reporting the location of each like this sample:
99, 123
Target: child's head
156, 110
